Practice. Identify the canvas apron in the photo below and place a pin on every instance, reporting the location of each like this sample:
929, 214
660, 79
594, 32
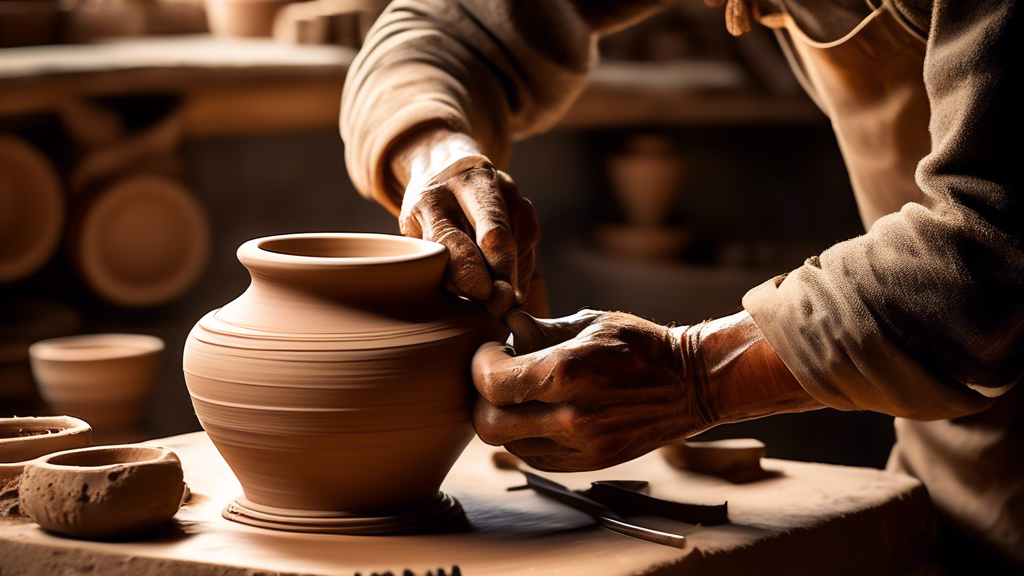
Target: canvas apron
870, 84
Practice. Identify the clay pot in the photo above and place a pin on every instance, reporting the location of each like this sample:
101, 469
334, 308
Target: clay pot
338, 386
23, 439
736, 459
103, 492
28, 22
645, 179
243, 17
102, 378
31, 209
141, 242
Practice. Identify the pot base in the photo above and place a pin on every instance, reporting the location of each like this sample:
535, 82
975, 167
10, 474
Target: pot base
443, 509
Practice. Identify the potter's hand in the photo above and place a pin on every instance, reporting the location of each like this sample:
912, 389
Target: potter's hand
611, 387
456, 197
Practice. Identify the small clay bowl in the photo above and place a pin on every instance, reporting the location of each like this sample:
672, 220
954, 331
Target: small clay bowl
24, 439
104, 492
102, 378
737, 459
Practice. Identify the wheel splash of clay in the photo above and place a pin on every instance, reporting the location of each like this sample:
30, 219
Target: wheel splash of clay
337, 387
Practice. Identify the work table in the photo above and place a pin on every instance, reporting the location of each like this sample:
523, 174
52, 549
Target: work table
805, 519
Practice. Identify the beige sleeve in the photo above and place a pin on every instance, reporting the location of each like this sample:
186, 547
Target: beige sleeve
492, 69
923, 316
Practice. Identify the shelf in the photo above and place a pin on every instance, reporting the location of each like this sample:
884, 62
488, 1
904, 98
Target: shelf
242, 86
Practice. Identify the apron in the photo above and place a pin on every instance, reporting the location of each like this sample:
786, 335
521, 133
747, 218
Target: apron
870, 84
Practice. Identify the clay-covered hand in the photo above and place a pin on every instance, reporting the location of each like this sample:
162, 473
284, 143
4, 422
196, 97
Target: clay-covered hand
611, 387
456, 197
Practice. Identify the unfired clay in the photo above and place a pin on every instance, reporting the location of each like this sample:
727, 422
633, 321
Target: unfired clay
103, 378
337, 386
23, 439
242, 17
103, 492
737, 460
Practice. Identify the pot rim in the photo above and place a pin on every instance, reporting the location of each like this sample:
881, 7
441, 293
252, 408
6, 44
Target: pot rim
56, 349
151, 454
257, 251
68, 425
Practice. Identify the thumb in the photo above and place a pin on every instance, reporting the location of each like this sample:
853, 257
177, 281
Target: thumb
531, 334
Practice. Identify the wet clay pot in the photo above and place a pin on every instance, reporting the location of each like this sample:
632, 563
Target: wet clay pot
337, 387
102, 378
103, 492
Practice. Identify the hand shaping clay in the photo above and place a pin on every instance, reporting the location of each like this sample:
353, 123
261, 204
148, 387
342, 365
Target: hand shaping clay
337, 387
103, 492
23, 439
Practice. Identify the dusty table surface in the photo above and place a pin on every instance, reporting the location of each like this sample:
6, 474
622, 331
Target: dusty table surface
807, 519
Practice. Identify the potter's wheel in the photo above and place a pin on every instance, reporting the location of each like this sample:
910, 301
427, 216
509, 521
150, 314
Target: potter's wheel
441, 508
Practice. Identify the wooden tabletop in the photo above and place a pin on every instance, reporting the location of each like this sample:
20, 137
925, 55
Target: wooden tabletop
808, 519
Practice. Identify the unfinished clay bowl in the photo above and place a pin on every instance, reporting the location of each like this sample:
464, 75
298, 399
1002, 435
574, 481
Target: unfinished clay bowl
337, 387
103, 492
243, 17
141, 242
31, 209
23, 439
102, 378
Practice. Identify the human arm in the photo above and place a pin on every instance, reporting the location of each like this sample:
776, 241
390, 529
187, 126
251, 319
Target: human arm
440, 81
611, 386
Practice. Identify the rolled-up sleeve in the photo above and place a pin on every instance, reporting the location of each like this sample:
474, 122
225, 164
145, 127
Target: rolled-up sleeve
492, 69
923, 316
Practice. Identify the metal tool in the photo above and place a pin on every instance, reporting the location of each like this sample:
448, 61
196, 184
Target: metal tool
605, 516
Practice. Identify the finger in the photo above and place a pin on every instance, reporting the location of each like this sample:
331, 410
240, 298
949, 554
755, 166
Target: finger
500, 300
527, 449
505, 379
525, 230
559, 330
466, 269
497, 425
484, 206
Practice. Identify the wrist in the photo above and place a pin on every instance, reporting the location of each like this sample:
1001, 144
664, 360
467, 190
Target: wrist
736, 374
422, 154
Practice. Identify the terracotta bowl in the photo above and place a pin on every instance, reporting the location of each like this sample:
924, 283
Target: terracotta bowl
103, 492
142, 242
102, 378
24, 439
31, 209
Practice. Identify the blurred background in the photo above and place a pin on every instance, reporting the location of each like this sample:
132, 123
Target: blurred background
141, 141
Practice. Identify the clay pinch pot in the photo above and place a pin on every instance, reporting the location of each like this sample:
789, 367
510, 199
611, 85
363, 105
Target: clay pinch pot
24, 439
337, 387
102, 378
737, 460
104, 492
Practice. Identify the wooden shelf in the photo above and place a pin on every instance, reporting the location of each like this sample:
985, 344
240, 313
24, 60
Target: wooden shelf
243, 86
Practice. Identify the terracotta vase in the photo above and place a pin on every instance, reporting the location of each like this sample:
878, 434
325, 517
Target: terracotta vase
103, 492
102, 378
31, 209
337, 387
24, 439
141, 242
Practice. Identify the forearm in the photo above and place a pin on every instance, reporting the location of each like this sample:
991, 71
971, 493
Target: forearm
736, 374
424, 153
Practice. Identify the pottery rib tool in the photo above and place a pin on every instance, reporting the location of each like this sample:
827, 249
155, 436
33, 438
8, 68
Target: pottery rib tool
605, 516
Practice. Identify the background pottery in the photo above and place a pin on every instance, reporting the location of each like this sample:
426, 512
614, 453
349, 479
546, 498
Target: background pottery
103, 492
31, 209
101, 378
337, 386
141, 242
243, 17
